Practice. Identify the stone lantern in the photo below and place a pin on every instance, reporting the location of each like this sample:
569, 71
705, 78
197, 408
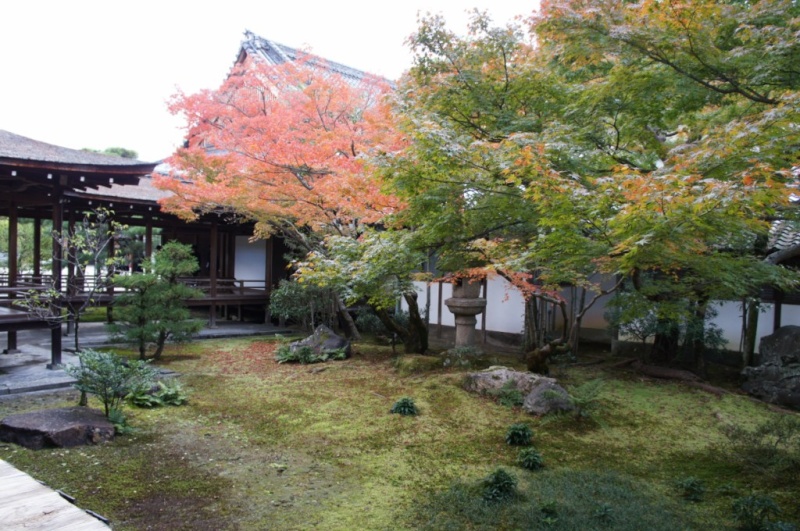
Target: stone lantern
465, 305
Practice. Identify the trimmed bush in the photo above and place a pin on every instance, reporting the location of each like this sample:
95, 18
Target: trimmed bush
692, 489
499, 486
405, 406
519, 435
560, 500
530, 459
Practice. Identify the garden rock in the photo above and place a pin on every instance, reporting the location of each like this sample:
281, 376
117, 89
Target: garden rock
323, 340
538, 390
776, 378
60, 428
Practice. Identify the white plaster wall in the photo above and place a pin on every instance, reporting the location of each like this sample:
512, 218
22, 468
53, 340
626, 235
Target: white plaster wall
506, 303
790, 315
505, 307
250, 261
506, 311
729, 320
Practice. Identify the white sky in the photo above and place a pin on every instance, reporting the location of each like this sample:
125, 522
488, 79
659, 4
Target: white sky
98, 73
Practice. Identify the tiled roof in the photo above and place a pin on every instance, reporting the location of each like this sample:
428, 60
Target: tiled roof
783, 234
144, 192
14, 146
275, 53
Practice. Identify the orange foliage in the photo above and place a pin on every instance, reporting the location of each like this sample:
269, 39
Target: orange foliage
287, 141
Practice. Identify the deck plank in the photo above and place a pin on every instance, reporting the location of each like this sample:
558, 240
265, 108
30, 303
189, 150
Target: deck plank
27, 504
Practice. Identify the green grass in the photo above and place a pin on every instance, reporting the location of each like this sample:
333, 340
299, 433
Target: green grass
263, 445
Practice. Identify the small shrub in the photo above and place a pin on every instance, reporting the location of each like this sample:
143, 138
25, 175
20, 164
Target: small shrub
172, 393
585, 399
303, 303
144, 398
549, 513
120, 422
604, 514
304, 354
369, 323
508, 395
169, 393
405, 406
692, 489
591, 500
461, 356
771, 448
519, 435
499, 486
754, 512
530, 459
110, 378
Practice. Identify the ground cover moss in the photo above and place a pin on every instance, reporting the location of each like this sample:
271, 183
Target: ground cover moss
263, 445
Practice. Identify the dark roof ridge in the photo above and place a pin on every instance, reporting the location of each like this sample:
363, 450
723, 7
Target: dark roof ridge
277, 53
14, 146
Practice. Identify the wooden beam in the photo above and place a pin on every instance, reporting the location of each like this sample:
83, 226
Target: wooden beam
13, 252
37, 248
148, 238
212, 274
58, 226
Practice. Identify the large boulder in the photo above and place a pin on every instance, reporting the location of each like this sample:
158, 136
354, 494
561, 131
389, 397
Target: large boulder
61, 428
323, 340
776, 378
542, 395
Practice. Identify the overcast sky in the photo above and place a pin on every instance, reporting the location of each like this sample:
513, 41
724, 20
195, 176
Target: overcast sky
96, 74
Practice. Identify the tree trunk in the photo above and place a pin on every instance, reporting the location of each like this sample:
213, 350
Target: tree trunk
665, 342
160, 342
77, 336
532, 332
417, 342
751, 332
573, 340
350, 330
698, 341
415, 337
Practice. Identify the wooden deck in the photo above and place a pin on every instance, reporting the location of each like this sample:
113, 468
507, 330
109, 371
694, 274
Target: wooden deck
27, 504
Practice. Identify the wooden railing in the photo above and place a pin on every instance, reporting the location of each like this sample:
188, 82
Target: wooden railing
220, 295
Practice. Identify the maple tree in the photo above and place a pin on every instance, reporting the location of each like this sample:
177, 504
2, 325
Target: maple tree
640, 141
379, 267
687, 112
288, 146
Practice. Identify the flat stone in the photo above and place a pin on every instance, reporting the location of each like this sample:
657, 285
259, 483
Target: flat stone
542, 395
60, 428
323, 340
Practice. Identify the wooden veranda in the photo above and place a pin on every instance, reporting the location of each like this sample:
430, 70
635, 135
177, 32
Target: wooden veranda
39, 181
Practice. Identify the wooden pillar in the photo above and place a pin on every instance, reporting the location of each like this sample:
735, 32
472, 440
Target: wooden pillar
72, 255
483, 314
112, 251
439, 310
37, 249
212, 274
13, 234
269, 277
232, 256
55, 330
148, 239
